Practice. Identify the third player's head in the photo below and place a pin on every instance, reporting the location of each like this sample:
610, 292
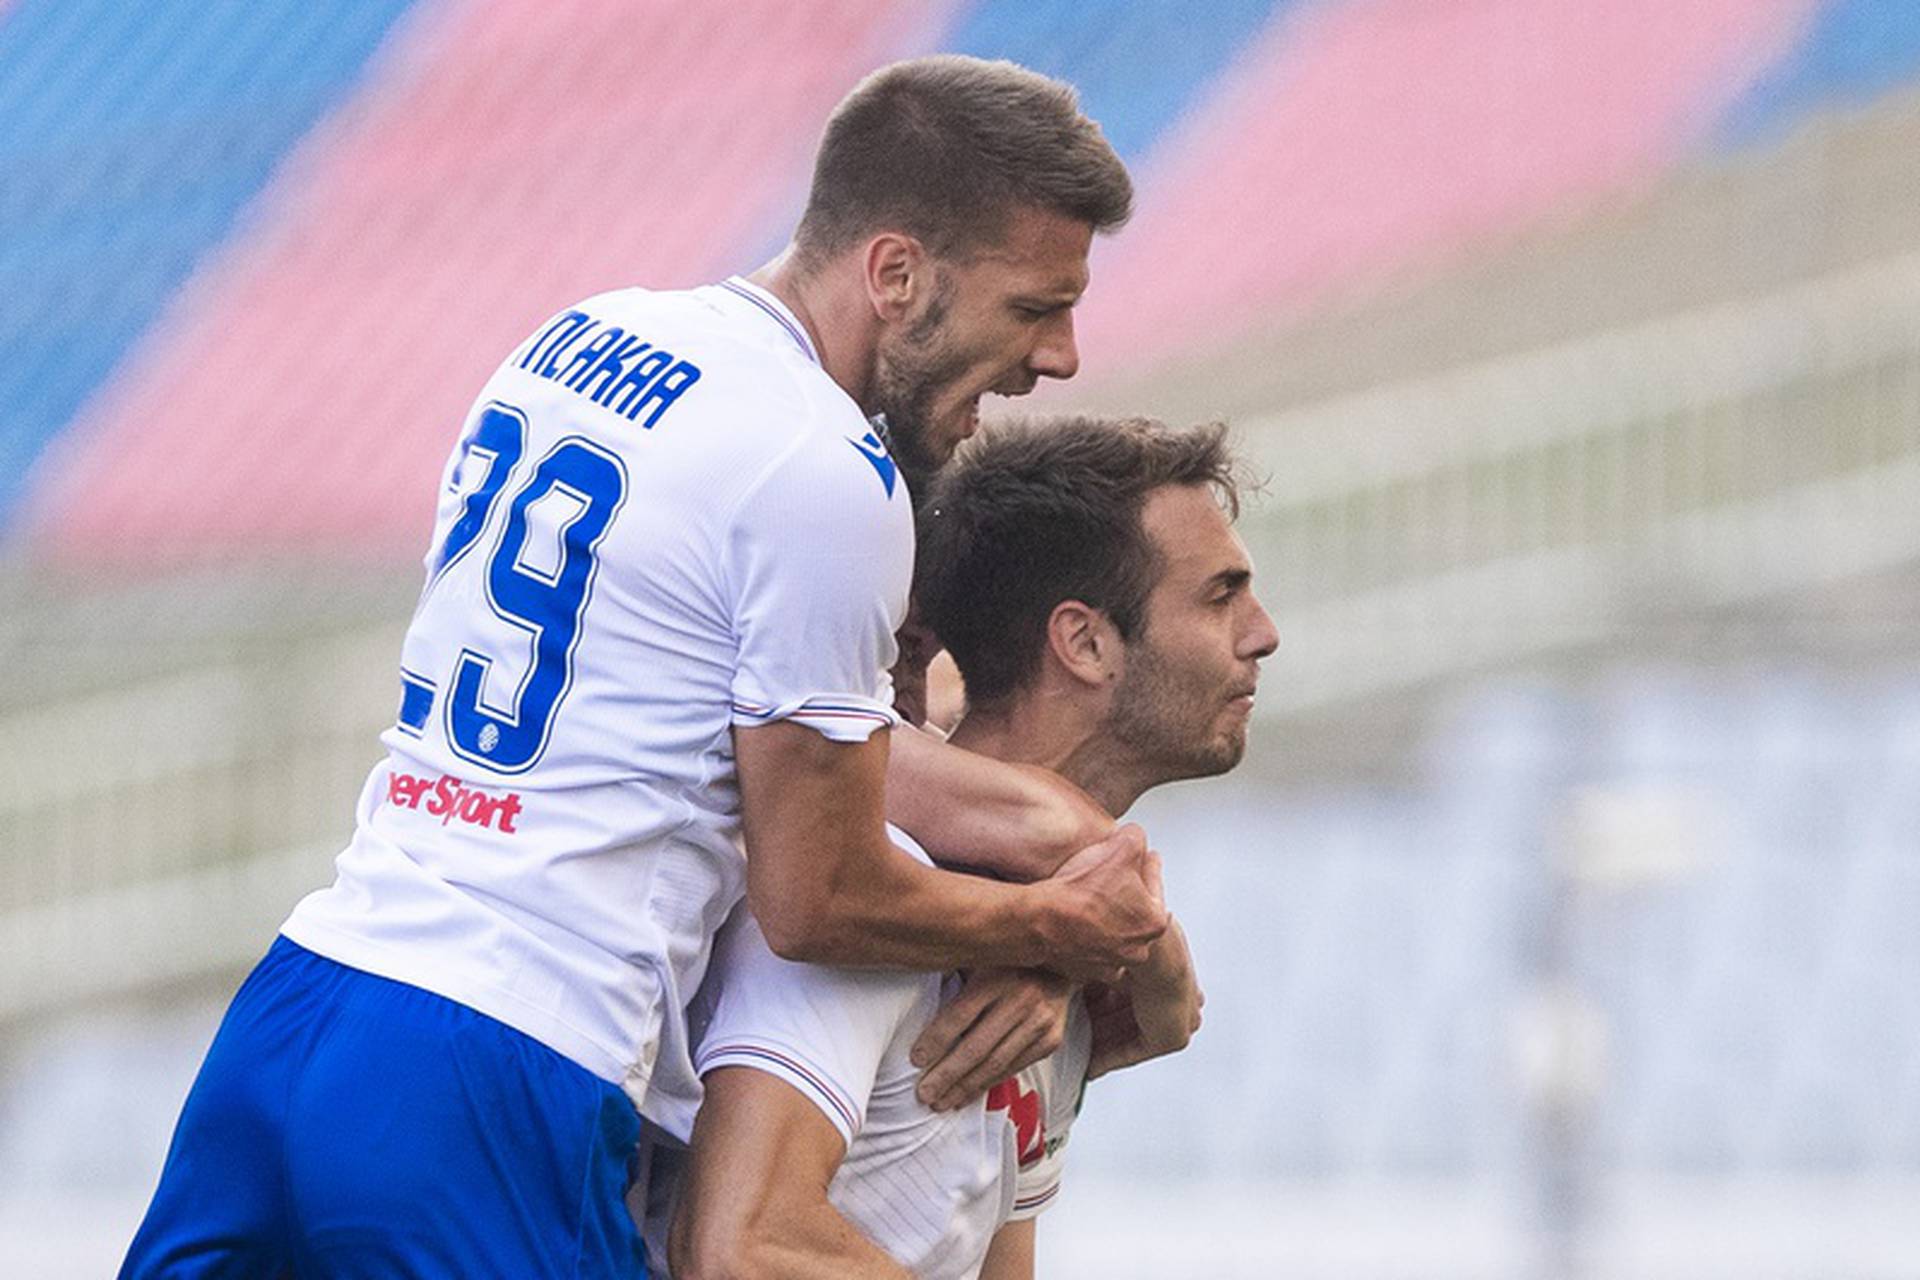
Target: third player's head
1085, 575
966, 193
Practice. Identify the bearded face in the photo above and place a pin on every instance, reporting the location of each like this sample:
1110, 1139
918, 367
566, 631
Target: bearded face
916, 373
1185, 694
995, 322
1177, 713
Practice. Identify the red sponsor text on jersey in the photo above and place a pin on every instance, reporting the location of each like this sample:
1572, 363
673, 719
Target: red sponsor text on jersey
449, 799
1023, 1110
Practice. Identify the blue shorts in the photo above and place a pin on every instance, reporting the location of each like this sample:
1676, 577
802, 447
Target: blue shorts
348, 1125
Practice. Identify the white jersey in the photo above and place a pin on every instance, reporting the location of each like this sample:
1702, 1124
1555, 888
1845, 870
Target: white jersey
929, 1187
662, 520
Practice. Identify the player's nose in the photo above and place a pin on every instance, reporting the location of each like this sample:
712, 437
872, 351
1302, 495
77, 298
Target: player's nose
1056, 354
1260, 637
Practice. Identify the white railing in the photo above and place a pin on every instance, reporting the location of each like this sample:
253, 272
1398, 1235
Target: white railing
1545, 500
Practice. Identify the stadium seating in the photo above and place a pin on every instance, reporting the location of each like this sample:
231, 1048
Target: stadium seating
132, 138
495, 157
1580, 345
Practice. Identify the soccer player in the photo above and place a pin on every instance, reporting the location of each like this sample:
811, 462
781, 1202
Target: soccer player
646, 676
1085, 576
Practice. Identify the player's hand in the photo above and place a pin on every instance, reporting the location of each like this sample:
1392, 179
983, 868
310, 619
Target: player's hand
1154, 1011
1105, 907
1002, 1020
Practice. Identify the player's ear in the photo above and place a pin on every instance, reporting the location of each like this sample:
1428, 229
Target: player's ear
898, 270
1084, 643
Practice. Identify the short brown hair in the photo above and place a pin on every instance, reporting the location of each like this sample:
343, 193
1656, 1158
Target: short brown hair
1036, 512
947, 148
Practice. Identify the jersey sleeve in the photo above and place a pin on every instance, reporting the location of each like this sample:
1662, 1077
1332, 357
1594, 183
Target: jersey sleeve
825, 1031
819, 558
1060, 1082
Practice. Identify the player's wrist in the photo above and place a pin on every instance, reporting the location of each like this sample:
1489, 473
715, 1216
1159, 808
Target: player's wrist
1062, 937
1044, 922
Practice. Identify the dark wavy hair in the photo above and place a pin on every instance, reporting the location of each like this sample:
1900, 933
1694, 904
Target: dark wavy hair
1036, 512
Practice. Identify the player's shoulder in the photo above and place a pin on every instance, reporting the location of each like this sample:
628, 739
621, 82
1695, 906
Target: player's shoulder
704, 352
755, 350
832, 477
725, 379
765, 379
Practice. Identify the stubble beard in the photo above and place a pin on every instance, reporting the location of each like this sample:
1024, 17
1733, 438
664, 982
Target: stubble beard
1166, 725
910, 373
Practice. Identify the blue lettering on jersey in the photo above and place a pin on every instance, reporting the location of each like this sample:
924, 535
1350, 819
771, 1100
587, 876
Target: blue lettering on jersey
628, 391
416, 702
507, 729
497, 438
612, 351
547, 347
663, 391
876, 453
616, 370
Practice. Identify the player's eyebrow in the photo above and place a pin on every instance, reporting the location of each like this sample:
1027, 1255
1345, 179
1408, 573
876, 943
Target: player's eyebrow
1230, 580
1063, 290
1061, 296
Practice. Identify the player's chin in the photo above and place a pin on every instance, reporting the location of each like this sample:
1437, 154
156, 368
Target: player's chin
1219, 754
1230, 745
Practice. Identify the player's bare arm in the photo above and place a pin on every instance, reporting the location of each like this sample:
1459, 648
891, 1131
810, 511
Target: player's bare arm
1018, 821
1011, 1255
754, 1203
829, 887
1151, 1012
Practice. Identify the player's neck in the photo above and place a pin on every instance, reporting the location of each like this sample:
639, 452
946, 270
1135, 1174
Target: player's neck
836, 318
1036, 730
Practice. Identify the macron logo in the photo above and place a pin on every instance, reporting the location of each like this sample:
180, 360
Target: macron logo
876, 453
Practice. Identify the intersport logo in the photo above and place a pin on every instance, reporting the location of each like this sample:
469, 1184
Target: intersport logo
451, 800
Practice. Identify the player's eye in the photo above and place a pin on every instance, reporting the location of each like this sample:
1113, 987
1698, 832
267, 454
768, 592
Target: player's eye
1226, 593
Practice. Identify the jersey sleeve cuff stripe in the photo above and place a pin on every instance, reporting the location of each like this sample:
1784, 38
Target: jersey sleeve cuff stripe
839, 1107
841, 719
1037, 1200
851, 713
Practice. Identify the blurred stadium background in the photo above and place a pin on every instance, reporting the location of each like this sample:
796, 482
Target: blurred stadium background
1562, 922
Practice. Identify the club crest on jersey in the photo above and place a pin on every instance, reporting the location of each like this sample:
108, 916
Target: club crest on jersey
1023, 1112
876, 453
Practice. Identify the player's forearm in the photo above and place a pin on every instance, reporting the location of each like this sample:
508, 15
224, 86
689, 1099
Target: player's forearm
1156, 1010
1018, 821
892, 911
1168, 971
828, 886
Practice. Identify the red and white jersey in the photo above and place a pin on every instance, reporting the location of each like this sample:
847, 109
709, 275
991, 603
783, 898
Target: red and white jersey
662, 520
929, 1187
